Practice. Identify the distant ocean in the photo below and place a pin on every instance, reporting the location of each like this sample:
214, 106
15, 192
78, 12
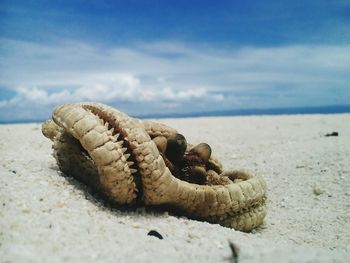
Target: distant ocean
234, 112
249, 112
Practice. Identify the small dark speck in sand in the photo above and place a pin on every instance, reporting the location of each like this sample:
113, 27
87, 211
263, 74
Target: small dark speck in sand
155, 234
332, 134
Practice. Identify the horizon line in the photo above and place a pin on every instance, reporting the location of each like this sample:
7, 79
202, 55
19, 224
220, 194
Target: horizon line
328, 109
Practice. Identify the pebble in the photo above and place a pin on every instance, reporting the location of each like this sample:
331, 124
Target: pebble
136, 225
317, 190
26, 210
191, 236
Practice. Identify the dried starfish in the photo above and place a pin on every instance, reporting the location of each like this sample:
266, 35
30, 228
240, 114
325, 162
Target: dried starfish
115, 153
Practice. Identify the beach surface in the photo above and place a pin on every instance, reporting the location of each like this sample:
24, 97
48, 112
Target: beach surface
48, 217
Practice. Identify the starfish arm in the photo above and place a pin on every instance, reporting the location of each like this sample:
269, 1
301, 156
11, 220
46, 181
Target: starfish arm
219, 203
116, 153
155, 129
106, 151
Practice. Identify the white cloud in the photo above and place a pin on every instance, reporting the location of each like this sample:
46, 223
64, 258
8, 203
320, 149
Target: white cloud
170, 76
104, 88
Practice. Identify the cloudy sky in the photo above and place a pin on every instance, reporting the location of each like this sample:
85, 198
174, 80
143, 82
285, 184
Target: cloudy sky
147, 57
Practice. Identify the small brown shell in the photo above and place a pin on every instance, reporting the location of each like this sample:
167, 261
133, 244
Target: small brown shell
202, 150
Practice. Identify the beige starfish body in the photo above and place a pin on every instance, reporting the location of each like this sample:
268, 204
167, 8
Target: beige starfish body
115, 153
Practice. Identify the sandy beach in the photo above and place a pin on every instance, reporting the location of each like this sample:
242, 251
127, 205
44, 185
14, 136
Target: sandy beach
46, 217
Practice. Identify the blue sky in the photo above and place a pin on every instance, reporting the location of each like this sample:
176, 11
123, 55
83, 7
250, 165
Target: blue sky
148, 57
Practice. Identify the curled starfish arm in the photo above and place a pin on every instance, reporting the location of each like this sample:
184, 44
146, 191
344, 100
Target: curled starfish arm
155, 129
73, 160
240, 206
105, 149
219, 203
50, 129
119, 155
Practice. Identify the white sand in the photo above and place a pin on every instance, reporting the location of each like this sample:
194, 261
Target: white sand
45, 217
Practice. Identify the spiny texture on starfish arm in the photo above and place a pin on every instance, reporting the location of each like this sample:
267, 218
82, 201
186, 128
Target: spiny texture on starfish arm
124, 159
